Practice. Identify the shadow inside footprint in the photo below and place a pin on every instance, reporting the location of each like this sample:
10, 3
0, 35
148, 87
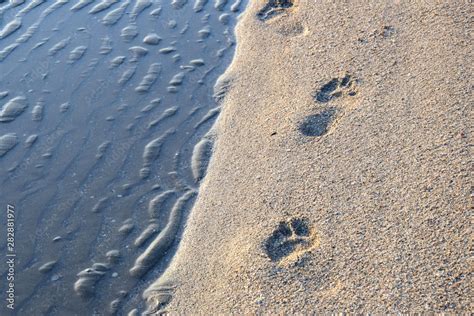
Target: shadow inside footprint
287, 238
300, 227
325, 93
334, 89
317, 124
274, 7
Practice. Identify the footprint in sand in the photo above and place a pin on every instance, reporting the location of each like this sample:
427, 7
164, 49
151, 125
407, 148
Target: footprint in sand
290, 26
273, 8
290, 240
320, 123
336, 88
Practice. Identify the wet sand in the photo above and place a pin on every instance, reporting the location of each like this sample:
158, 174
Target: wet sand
339, 180
106, 109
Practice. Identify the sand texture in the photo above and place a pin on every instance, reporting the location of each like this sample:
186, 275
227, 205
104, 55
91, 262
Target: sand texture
339, 180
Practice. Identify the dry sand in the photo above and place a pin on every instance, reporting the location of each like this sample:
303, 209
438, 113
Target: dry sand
363, 207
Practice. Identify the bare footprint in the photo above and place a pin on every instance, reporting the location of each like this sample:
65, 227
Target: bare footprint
290, 25
290, 240
336, 88
273, 8
318, 124
321, 122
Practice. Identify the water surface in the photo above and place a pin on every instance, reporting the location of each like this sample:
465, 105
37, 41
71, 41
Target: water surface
103, 103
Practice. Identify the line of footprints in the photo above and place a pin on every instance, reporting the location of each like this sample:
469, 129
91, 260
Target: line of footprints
294, 237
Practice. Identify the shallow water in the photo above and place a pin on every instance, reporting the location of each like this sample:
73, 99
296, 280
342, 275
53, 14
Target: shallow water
102, 104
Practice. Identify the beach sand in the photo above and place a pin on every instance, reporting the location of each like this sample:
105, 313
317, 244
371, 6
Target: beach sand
340, 175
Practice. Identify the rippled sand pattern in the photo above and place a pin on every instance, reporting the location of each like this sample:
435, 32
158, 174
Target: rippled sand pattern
105, 116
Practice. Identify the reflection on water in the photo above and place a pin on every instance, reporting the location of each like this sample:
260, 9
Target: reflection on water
106, 108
